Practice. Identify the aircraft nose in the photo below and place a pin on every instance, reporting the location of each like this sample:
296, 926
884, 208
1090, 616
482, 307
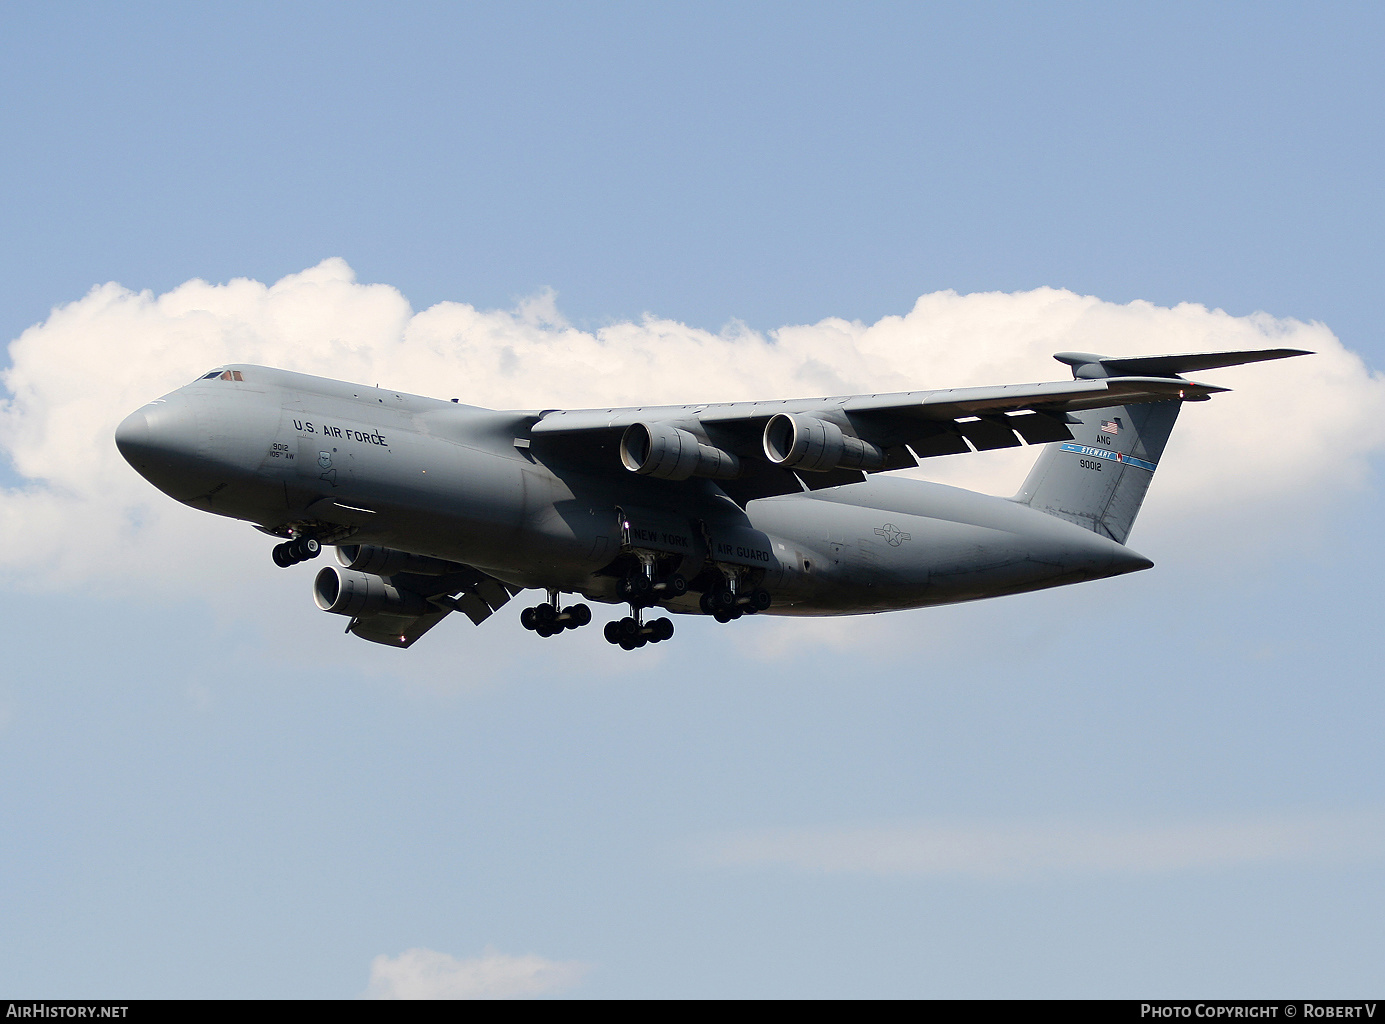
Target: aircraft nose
132, 437
163, 443
162, 432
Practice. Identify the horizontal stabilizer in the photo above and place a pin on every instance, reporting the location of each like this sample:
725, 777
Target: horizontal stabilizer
1086, 365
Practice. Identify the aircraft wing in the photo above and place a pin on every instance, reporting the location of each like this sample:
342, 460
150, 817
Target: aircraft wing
734, 442
469, 591
939, 405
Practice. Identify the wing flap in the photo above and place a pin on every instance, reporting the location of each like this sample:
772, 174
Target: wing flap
939, 441
1039, 428
1057, 397
831, 478
395, 630
987, 432
760, 479
475, 594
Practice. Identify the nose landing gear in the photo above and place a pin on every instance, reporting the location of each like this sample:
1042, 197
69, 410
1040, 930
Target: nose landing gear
298, 550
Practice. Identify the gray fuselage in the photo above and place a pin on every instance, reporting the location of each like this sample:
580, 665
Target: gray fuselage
290, 452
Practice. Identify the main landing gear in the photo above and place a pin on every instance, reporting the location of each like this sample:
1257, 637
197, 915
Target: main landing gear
641, 590
644, 589
549, 619
630, 633
295, 551
724, 604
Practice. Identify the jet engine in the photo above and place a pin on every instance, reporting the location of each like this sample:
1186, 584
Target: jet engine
347, 592
380, 561
802, 442
666, 452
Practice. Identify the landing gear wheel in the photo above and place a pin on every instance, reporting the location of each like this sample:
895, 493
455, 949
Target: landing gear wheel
294, 551
635, 589
548, 619
760, 600
630, 634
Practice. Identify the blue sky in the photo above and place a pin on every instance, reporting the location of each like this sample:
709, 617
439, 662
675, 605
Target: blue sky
206, 790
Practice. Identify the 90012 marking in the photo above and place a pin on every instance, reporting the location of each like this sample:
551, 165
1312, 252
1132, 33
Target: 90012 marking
1109, 456
1089, 464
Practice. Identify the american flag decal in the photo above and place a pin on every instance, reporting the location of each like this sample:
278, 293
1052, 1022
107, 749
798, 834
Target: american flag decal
1111, 426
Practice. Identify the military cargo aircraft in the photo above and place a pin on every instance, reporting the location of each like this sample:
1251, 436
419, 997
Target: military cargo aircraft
782, 507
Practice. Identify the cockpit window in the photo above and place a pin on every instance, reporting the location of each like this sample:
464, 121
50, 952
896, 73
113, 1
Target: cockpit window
214, 373
224, 375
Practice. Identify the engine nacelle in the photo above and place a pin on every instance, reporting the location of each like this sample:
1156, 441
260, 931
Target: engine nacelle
347, 592
387, 561
666, 452
816, 446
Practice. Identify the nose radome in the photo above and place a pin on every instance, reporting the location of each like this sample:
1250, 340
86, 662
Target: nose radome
132, 436
163, 431
163, 443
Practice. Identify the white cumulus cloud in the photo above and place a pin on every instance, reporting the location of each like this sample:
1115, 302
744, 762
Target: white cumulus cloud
1026, 849
426, 974
79, 515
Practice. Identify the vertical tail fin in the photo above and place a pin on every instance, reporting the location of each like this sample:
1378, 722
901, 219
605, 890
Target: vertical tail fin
1099, 478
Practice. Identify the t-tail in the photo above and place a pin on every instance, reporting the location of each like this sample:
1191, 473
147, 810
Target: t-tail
1098, 480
